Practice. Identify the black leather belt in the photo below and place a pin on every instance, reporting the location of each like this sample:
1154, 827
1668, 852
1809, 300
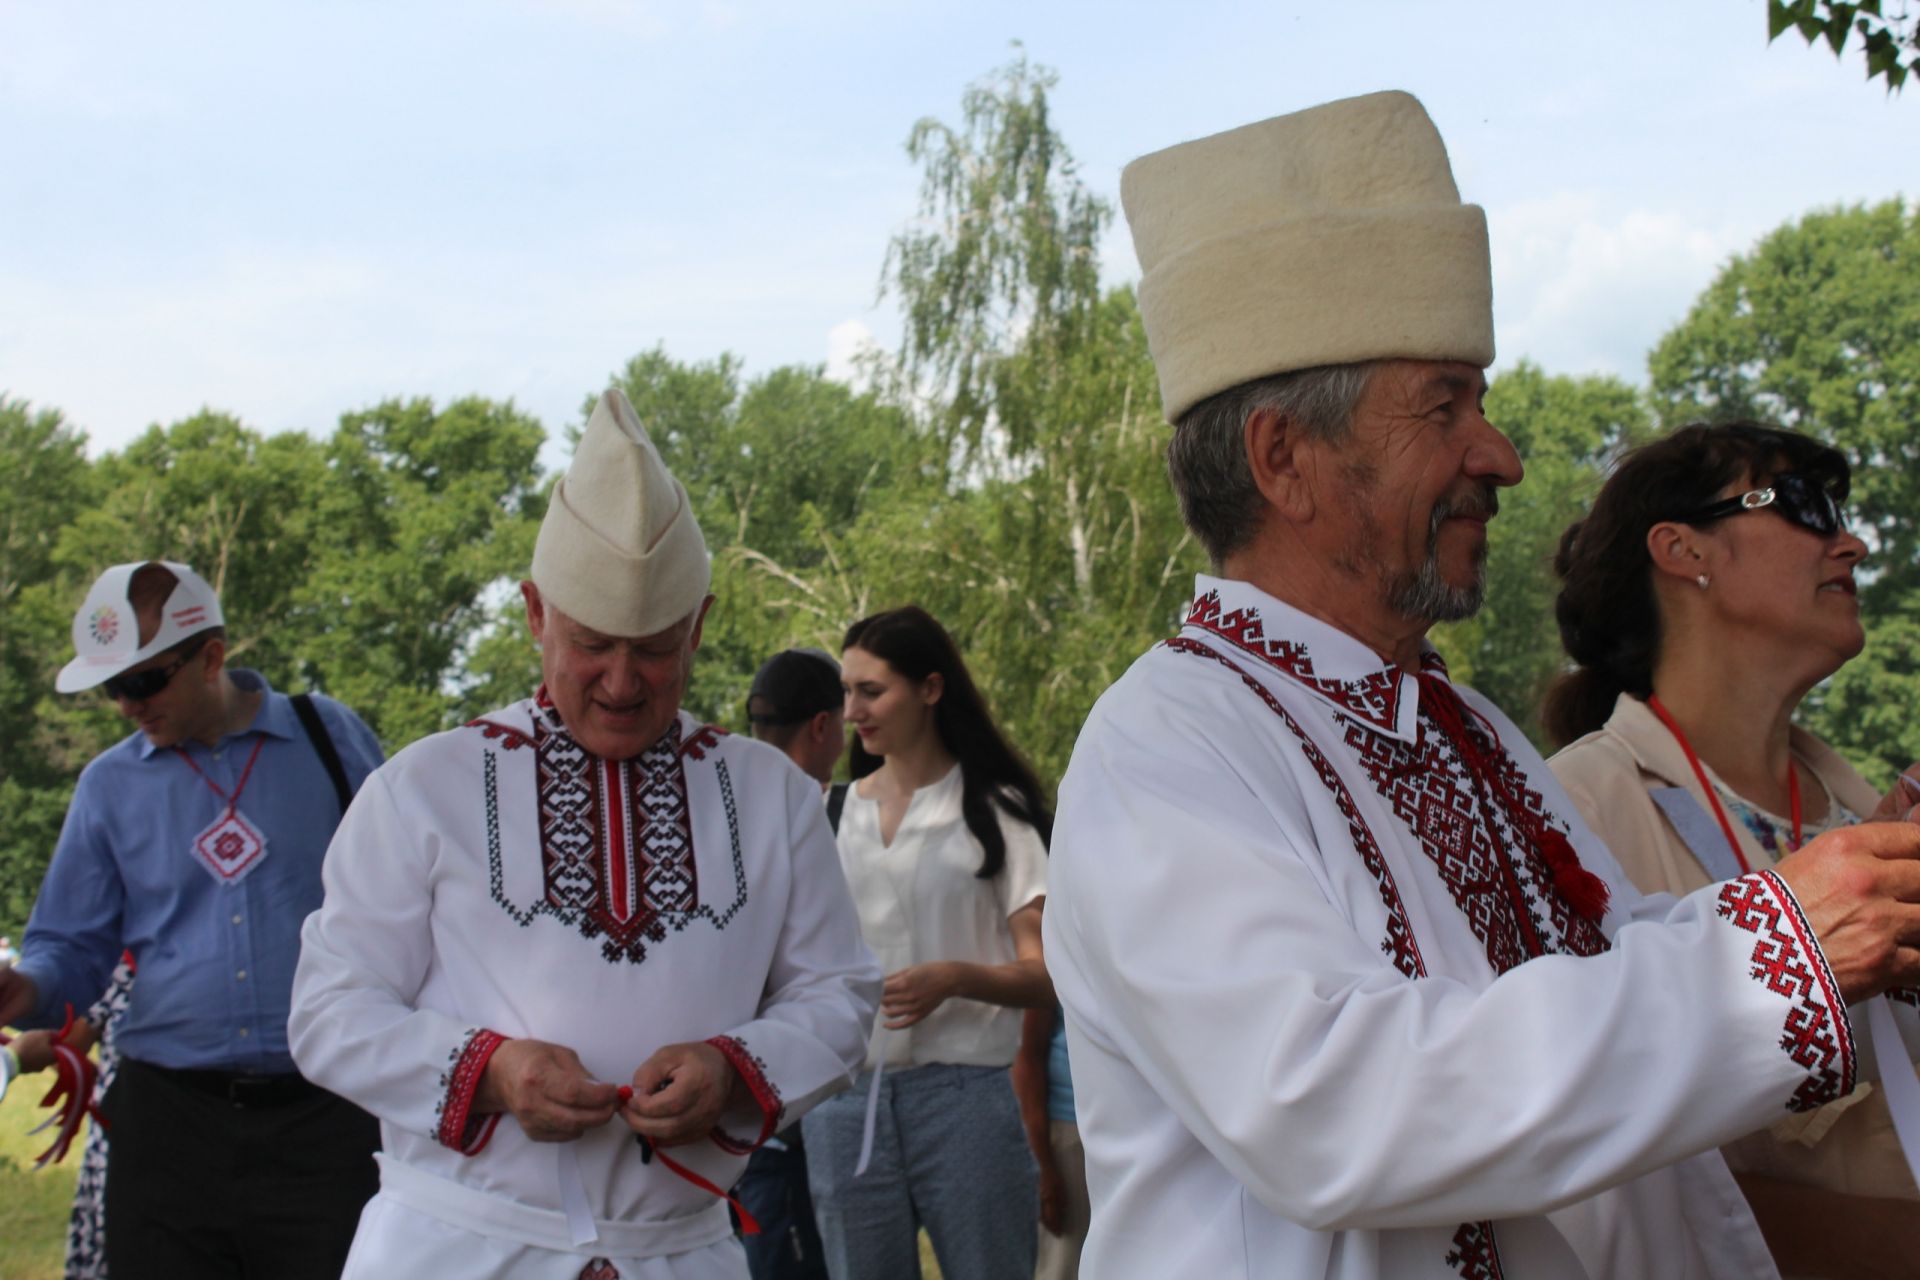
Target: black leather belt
245, 1092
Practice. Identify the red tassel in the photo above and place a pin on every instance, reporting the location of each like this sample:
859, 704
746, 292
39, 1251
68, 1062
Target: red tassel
1584, 891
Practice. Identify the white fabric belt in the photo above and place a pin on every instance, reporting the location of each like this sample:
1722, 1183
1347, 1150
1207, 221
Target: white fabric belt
491, 1215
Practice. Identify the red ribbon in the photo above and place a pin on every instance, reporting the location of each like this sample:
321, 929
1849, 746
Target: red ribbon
1582, 890
71, 1095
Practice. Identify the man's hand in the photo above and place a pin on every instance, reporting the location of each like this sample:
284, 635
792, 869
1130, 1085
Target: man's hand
34, 1049
18, 995
914, 992
680, 1093
1860, 889
1898, 803
545, 1088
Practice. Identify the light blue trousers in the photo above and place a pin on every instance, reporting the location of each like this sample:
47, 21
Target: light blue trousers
948, 1155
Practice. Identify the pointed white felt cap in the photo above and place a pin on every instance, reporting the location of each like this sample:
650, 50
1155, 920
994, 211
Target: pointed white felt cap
1329, 236
619, 550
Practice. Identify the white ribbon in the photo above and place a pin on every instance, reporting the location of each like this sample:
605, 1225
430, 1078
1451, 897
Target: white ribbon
573, 1194
1896, 1079
873, 1098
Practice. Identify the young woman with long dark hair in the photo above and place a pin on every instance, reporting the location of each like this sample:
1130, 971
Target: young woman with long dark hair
943, 840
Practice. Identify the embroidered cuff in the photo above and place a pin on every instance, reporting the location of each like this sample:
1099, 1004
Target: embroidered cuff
1905, 995
754, 1072
1787, 961
459, 1128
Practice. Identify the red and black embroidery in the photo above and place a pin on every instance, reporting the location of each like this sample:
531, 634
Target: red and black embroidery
1786, 960
616, 839
599, 1269
760, 1084
701, 741
1485, 852
506, 735
1399, 944
1374, 698
1475, 1253
1905, 995
457, 1127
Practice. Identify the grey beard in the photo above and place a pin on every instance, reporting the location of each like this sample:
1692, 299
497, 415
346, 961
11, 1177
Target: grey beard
1426, 596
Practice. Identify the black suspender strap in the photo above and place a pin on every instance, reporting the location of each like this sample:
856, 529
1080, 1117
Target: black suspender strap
323, 743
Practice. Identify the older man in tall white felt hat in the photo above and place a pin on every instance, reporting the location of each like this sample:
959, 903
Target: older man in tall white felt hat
1351, 990
584, 954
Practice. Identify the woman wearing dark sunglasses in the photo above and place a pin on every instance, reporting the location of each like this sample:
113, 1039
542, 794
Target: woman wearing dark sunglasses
1710, 587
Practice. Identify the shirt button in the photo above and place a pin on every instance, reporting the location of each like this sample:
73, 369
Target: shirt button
236, 919
242, 975
243, 1032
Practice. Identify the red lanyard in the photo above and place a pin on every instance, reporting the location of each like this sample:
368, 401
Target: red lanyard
233, 802
1713, 798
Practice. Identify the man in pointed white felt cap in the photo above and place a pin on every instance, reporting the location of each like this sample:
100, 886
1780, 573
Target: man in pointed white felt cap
195, 845
584, 954
1351, 990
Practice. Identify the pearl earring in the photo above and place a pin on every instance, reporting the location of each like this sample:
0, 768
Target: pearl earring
1703, 580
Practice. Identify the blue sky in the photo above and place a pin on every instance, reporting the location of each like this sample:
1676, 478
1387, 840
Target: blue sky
290, 210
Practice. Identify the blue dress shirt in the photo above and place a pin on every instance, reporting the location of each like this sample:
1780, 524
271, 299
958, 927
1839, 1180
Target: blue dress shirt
215, 959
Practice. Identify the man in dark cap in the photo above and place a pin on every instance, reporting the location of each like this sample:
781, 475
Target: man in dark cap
795, 704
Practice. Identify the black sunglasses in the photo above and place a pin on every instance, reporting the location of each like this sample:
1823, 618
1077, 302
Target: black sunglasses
138, 686
1799, 497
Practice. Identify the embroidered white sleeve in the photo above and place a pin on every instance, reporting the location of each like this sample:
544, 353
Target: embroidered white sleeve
363, 955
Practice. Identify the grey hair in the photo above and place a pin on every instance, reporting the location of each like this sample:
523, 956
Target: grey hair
1207, 456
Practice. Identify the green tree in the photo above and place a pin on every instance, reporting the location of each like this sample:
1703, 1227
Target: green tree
49, 482
1567, 431
1058, 554
1890, 45
1818, 329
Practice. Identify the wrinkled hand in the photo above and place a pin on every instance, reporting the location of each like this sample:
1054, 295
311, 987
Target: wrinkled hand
680, 1093
18, 995
34, 1049
1053, 1198
546, 1089
1860, 890
1898, 803
914, 992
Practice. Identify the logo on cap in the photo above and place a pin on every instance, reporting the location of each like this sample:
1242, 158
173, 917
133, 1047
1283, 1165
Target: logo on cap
104, 624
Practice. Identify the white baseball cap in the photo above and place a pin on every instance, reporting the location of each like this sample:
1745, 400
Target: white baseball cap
106, 634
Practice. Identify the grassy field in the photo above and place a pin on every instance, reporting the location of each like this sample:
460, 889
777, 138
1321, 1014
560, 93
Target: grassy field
33, 1206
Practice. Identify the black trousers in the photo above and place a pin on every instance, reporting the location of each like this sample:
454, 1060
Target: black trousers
774, 1189
264, 1185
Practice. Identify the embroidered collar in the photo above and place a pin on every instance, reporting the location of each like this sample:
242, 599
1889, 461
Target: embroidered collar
1306, 653
537, 716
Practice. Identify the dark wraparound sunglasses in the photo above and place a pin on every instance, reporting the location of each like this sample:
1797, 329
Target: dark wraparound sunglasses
138, 686
1800, 498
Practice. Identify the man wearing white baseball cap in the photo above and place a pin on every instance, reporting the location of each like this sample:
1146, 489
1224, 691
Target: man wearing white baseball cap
196, 844
585, 954
1351, 989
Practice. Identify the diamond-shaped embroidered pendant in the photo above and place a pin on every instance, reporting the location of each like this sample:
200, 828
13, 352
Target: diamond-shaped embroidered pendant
230, 848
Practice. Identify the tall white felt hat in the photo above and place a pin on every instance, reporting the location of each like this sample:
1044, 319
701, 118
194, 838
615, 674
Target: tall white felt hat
619, 550
106, 634
1328, 236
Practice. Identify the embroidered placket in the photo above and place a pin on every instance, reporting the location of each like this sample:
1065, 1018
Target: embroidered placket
231, 846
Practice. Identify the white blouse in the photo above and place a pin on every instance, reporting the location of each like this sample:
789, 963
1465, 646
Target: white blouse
919, 900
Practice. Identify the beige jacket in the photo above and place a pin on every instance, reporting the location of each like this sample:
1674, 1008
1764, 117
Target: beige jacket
1848, 1146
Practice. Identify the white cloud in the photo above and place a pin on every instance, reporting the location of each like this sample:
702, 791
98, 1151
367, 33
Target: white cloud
847, 343
1582, 288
